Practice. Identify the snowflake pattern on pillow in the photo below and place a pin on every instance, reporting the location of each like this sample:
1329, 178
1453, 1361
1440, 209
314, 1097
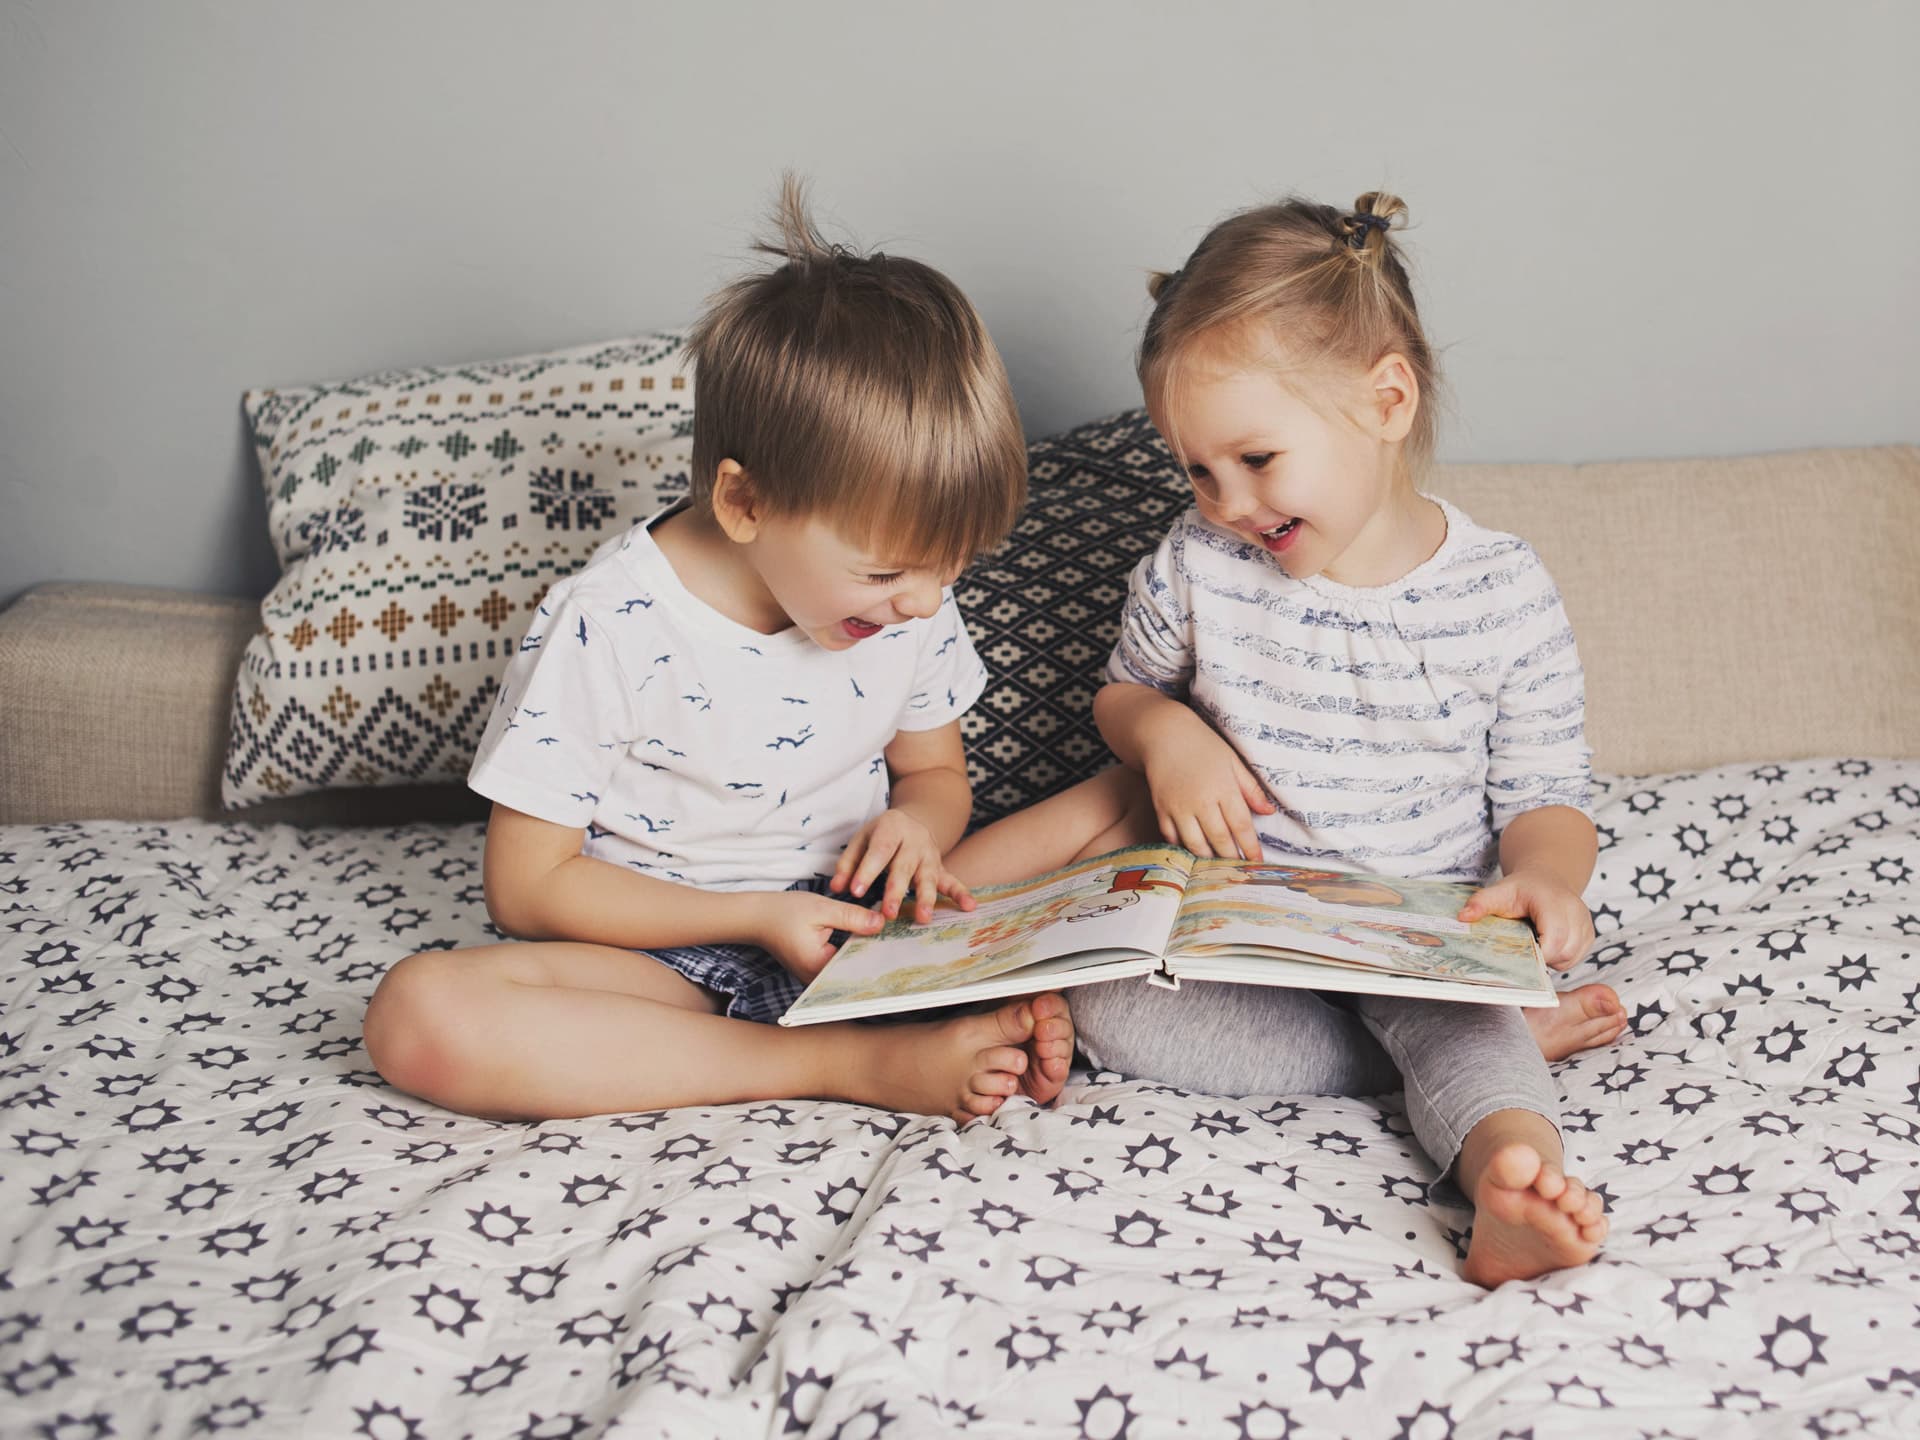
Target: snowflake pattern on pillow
419, 516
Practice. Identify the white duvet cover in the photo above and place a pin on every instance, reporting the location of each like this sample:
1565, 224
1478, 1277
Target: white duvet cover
215, 1219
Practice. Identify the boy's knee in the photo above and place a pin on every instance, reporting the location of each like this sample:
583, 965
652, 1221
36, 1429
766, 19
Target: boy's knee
411, 1029
1136, 802
1127, 813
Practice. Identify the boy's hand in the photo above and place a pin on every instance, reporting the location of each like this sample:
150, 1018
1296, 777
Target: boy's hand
1204, 795
897, 843
796, 927
1560, 917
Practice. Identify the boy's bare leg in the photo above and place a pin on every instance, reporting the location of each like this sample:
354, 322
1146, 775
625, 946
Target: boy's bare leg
558, 1029
1529, 1215
1111, 810
1584, 1018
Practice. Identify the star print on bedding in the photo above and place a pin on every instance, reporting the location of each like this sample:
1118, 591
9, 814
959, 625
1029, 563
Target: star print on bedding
215, 1219
695, 749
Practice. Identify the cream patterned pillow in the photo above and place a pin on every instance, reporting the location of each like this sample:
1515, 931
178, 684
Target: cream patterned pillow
419, 516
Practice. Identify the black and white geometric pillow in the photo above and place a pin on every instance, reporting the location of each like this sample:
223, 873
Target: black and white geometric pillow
1044, 609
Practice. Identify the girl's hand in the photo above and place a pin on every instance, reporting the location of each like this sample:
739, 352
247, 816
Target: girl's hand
896, 842
1203, 793
796, 927
1560, 917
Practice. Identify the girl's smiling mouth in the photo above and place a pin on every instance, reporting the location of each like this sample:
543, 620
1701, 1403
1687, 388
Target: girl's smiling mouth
860, 629
1278, 537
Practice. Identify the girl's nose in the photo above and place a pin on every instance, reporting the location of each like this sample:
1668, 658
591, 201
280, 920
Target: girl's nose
1235, 503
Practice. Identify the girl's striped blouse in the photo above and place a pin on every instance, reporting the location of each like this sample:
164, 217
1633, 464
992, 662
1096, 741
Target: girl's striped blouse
1398, 728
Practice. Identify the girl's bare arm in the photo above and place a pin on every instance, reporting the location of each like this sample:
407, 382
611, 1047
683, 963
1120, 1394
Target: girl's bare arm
1554, 840
1204, 797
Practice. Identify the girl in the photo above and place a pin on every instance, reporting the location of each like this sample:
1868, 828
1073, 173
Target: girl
1320, 663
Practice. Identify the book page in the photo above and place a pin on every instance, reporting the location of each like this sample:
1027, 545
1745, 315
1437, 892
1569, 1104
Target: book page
1376, 922
1124, 900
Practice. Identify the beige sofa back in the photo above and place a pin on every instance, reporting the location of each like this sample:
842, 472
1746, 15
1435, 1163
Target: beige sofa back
1764, 608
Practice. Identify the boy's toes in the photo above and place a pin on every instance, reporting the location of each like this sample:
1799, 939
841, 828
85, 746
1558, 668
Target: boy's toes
1051, 1016
1052, 1036
973, 1104
1051, 1048
1050, 1006
1015, 1022
987, 1090
1055, 1030
1002, 1058
1054, 1051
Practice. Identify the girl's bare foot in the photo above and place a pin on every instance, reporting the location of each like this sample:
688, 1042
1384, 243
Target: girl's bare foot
1529, 1218
963, 1067
1051, 1049
1584, 1018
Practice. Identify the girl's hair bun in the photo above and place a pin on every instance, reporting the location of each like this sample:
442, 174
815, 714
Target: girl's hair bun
1373, 214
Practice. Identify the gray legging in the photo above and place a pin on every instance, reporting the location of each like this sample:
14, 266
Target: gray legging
1458, 1062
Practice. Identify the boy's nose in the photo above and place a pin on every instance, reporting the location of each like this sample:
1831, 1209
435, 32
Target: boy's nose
919, 602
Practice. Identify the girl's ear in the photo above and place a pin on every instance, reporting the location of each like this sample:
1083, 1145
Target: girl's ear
1396, 395
734, 504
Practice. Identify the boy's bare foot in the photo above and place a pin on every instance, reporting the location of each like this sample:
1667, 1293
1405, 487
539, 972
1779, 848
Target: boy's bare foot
1584, 1018
1051, 1048
1529, 1218
962, 1067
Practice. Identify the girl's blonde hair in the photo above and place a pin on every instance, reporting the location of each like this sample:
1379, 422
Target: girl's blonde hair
1326, 287
860, 389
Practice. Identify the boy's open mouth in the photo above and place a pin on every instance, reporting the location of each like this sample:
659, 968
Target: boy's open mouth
1278, 537
860, 629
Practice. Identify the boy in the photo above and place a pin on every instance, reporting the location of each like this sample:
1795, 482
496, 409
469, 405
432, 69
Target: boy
733, 714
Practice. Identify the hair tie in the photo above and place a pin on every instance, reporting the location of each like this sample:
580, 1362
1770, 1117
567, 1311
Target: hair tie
1357, 239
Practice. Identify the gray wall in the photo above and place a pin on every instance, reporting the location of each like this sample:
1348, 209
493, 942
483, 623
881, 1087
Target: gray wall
1643, 229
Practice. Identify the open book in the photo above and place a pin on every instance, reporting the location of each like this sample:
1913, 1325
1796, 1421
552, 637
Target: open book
1157, 911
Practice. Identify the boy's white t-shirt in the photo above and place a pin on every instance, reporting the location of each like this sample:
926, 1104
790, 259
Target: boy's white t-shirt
695, 749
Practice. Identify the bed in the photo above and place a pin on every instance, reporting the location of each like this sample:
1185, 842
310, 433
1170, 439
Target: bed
216, 1219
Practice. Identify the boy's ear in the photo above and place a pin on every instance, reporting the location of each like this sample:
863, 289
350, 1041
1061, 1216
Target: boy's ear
734, 504
1396, 395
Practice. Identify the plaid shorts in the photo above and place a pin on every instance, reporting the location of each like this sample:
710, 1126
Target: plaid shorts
757, 986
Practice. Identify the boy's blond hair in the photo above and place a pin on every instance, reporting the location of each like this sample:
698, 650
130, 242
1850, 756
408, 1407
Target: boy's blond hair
861, 390
1324, 288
